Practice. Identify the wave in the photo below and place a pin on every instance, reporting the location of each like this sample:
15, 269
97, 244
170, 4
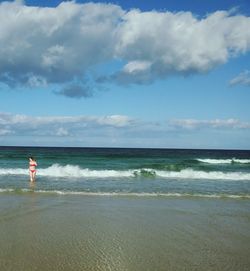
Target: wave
57, 170
212, 175
71, 171
224, 161
124, 194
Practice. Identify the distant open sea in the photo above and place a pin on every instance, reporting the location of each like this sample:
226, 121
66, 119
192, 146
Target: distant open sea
128, 172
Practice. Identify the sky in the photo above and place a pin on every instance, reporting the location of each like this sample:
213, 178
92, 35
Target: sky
147, 74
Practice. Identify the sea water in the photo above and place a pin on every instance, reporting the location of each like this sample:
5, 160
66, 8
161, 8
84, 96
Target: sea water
127, 172
124, 209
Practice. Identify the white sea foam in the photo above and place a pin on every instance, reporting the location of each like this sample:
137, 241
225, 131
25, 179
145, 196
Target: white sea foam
212, 175
75, 171
4, 190
72, 171
224, 161
57, 170
143, 194
125, 194
242, 161
13, 171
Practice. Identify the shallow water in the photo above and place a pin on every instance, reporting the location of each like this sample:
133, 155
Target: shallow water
164, 172
124, 209
72, 232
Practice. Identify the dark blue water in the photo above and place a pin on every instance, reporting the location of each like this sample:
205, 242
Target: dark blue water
114, 171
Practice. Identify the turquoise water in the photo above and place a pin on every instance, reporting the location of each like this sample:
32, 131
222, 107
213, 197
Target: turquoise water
145, 209
135, 172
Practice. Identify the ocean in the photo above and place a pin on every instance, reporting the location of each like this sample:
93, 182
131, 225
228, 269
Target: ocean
124, 210
127, 172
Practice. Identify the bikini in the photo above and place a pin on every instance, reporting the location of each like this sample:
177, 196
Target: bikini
33, 170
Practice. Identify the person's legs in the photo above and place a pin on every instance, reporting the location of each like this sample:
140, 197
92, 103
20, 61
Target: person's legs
31, 178
34, 175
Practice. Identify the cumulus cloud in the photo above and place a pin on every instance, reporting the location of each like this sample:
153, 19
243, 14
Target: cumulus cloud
58, 44
60, 125
242, 79
177, 43
217, 123
40, 46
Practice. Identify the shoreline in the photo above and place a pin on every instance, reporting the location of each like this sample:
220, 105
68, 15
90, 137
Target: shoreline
44, 232
18, 191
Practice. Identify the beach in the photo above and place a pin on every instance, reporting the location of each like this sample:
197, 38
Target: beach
76, 232
124, 135
124, 209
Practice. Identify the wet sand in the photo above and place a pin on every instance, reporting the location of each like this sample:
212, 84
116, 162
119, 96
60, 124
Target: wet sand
70, 232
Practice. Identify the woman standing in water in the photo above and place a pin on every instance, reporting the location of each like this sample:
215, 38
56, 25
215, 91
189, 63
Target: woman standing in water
32, 168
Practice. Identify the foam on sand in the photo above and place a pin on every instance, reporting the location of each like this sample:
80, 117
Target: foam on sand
124, 194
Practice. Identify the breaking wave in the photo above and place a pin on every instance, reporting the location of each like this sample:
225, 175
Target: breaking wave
224, 161
72, 171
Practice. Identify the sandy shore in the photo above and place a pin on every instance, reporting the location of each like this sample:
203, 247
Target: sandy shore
48, 232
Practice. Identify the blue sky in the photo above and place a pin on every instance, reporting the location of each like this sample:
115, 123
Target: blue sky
125, 74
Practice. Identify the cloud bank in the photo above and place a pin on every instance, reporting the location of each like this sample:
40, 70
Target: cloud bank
214, 124
16, 124
59, 125
40, 46
121, 131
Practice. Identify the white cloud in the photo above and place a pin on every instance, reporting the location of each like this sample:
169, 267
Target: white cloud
41, 45
60, 125
121, 131
136, 66
179, 42
54, 57
4, 132
242, 79
58, 43
104, 125
115, 120
62, 132
217, 123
